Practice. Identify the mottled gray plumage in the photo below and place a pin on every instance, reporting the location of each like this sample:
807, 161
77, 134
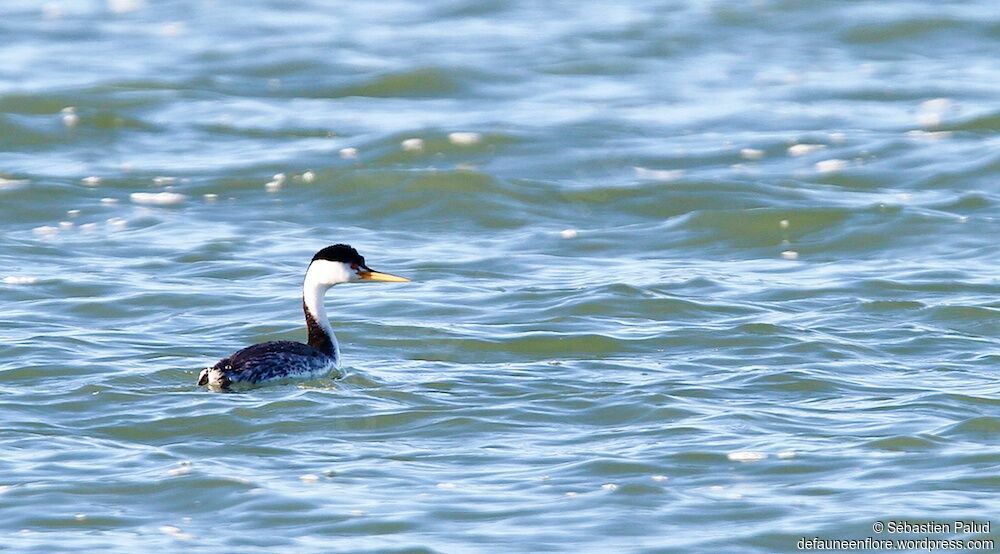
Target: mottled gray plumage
270, 360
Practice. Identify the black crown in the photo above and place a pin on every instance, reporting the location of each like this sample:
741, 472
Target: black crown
340, 253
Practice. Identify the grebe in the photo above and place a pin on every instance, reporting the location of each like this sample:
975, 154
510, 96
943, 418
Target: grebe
287, 359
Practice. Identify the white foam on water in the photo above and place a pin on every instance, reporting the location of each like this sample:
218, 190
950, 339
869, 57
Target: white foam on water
412, 145
80, 517
831, 166
746, 456
69, 117
751, 154
783, 224
19, 280
88, 227
349, 153
309, 478
790, 255
183, 468
65, 225
175, 532
164, 180
211, 197
308, 176
172, 29
109, 200
838, 138
464, 138
125, 6
568, 233
609, 487
929, 119
272, 186
803, 149
91, 181
46, 231
929, 135
659, 478
723, 492
658, 174
157, 198
73, 213
447, 485
10, 184
786, 454
117, 223
571, 494
935, 105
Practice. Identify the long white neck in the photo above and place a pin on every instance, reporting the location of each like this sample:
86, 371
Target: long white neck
321, 335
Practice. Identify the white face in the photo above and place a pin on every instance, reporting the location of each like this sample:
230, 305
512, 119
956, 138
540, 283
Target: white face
327, 273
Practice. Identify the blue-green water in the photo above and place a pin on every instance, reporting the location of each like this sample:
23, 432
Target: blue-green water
688, 276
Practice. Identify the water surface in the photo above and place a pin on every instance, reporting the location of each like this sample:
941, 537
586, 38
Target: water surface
688, 276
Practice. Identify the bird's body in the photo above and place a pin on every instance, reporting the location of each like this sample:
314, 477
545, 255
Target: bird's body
280, 360
269, 361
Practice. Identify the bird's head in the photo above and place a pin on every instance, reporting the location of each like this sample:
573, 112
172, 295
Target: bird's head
340, 263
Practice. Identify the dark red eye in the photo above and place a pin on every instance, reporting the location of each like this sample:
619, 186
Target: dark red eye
354, 266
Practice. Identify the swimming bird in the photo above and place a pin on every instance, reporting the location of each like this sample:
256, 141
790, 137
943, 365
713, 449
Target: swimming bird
284, 359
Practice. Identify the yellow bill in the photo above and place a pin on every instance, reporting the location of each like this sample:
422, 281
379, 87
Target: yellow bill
387, 277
